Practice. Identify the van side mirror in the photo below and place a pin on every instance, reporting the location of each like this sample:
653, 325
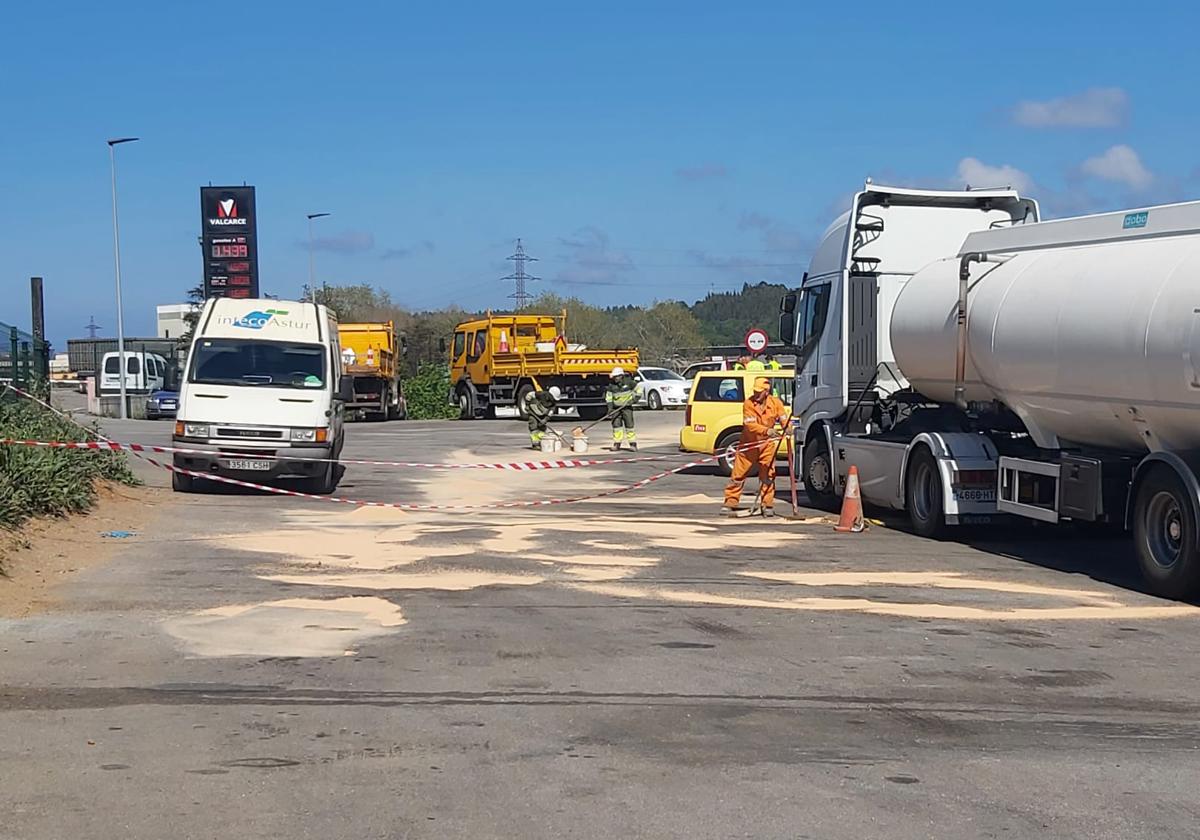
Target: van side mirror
345, 391
787, 318
441, 345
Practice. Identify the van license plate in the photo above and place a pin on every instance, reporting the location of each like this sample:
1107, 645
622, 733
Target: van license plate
243, 464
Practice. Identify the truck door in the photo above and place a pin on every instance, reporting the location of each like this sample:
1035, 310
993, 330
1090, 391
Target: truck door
811, 313
458, 351
477, 356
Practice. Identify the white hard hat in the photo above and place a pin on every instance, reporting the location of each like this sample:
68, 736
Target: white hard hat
556, 392
617, 371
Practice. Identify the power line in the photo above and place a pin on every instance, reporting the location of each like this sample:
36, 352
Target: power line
520, 295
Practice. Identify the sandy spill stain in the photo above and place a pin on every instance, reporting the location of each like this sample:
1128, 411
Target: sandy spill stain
1096, 605
447, 580
305, 627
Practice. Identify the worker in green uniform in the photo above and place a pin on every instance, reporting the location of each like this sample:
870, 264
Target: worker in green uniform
539, 406
755, 364
773, 363
620, 396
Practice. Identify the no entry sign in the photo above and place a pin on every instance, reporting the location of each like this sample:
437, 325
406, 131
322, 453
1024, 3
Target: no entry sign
756, 340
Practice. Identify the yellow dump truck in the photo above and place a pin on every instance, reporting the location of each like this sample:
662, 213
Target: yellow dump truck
496, 360
371, 358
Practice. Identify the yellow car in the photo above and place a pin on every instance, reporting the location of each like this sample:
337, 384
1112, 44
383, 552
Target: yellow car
713, 421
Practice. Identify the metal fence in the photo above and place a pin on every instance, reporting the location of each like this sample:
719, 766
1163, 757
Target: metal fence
24, 360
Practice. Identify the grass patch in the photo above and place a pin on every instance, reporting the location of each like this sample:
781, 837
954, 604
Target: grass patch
36, 481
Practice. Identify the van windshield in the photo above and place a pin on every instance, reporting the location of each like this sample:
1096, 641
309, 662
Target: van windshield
231, 361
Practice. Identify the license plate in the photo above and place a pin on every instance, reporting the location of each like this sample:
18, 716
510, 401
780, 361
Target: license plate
974, 494
245, 464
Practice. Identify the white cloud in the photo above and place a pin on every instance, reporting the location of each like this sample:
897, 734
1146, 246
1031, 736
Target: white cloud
1099, 107
1121, 165
975, 173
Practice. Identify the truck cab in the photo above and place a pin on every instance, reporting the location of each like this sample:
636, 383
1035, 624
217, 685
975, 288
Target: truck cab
839, 319
263, 396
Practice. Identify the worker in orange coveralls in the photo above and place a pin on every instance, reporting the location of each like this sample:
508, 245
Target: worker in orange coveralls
763, 418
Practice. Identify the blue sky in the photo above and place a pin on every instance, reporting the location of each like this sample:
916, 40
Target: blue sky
642, 150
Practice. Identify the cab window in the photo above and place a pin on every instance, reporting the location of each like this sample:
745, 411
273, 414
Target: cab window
813, 309
479, 345
718, 389
460, 344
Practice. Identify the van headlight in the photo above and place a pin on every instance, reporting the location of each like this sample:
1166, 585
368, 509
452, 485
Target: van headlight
309, 435
191, 430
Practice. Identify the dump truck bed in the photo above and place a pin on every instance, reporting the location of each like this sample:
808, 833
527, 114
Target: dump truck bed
369, 349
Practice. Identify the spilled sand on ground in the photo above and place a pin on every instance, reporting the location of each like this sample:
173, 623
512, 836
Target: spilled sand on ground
308, 627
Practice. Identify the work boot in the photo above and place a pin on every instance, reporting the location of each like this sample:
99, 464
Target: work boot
729, 511
633, 446
616, 447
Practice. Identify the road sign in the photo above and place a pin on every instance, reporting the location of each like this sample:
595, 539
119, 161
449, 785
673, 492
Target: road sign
756, 340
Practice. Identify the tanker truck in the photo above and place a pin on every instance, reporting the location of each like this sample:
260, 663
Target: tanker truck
975, 363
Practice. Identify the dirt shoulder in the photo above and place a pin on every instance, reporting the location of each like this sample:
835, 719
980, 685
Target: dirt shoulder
44, 553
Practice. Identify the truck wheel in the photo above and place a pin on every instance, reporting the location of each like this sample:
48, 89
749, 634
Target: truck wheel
654, 401
181, 483
818, 475
1164, 534
466, 403
923, 495
522, 392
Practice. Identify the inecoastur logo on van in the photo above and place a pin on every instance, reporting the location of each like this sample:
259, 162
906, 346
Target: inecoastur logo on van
260, 318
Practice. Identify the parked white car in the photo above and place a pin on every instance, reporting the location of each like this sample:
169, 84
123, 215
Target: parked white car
660, 388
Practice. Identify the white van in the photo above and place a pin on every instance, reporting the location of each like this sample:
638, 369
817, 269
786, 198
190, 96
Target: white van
144, 372
263, 386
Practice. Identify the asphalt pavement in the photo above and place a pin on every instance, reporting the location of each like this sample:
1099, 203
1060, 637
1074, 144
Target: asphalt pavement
251, 665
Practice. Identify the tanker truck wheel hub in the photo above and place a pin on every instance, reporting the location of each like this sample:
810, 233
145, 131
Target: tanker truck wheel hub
1165, 527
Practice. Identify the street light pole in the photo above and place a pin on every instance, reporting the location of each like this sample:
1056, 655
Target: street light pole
112, 162
312, 274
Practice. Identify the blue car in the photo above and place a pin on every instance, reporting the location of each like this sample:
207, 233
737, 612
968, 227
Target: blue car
161, 404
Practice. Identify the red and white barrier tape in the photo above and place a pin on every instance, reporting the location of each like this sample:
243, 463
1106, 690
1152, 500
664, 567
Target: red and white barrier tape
518, 466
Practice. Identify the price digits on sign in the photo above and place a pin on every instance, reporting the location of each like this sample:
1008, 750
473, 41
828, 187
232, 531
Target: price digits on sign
224, 251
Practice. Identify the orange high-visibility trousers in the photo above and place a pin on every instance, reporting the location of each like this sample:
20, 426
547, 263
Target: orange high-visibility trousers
743, 463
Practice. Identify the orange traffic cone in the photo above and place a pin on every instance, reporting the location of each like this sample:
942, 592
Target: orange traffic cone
503, 341
851, 521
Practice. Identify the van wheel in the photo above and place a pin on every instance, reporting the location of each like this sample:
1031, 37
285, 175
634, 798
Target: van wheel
181, 483
923, 495
818, 475
466, 403
323, 484
1164, 535
726, 451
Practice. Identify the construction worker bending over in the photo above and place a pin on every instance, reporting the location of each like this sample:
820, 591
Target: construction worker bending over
763, 416
539, 406
620, 396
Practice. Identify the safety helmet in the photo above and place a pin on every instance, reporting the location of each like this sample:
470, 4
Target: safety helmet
617, 371
761, 384
555, 392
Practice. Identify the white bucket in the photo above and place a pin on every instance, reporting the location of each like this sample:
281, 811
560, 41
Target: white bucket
579, 445
550, 444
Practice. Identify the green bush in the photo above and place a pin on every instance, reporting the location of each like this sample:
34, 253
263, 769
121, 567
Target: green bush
428, 392
37, 481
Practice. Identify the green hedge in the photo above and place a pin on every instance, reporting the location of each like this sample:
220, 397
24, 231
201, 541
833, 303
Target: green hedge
48, 482
427, 393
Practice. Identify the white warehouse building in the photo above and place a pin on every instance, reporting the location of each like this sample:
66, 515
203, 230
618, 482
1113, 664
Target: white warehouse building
170, 322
